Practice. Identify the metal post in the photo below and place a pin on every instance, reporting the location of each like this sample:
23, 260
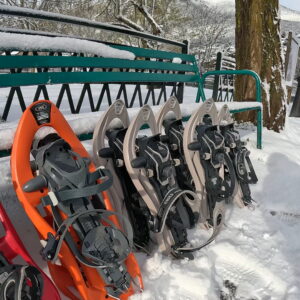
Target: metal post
295, 111
217, 77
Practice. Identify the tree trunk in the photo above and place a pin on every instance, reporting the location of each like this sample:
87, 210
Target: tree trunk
258, 48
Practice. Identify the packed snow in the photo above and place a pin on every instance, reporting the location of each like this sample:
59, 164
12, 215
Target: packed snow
63, 44
86, 122
257, 251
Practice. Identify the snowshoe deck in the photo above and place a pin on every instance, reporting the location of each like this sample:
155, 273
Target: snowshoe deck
209, 165
108, 142
14, 279
152, 171
239, 155
68, 186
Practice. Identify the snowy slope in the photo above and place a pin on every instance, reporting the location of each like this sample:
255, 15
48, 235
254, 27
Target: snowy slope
229, 5
258, 251
289, 14
290, 19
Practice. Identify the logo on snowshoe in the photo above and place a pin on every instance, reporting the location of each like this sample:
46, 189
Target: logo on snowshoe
119, 105
146, 113
41, 112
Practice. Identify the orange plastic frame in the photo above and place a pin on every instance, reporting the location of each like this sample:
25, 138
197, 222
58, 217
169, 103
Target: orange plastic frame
70, 274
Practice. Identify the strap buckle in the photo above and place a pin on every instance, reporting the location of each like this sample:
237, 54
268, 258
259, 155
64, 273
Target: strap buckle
49, 250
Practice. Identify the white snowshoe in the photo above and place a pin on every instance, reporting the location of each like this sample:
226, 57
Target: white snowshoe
108, 152
209, 164
152, 170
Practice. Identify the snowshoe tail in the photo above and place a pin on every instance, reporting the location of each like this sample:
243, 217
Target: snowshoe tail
108, 142
78, 227
152, 170
20, 282
239, 155
206, 158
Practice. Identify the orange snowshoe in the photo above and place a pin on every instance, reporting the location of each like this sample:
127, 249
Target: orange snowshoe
89, 255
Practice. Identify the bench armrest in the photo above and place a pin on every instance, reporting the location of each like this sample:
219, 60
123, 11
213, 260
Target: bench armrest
232, 72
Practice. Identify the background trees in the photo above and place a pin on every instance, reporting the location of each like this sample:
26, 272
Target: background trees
207, 27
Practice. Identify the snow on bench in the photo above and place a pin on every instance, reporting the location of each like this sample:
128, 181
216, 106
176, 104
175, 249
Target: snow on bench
23, 42
86, 122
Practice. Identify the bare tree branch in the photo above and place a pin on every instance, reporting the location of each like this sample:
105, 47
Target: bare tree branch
143, 10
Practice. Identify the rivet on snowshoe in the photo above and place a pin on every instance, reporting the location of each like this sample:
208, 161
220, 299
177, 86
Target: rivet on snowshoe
174, 147
149, 173
206, 156
119, 163
176, 162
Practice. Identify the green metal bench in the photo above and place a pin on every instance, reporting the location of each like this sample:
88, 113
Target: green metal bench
153, 73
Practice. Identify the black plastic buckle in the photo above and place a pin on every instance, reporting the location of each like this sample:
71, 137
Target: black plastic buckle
49, 250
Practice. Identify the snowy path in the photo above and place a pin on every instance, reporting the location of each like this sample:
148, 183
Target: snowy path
258, 251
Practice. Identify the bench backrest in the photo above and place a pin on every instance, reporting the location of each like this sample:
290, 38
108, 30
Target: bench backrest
154, 68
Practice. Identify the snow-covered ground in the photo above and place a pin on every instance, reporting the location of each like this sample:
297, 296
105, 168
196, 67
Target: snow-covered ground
258, 251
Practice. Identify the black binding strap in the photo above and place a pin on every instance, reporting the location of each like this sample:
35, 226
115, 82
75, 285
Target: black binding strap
213, 155
19, 282
174, 138
51, 251
106, 181
174, 210
240, 157
137, 210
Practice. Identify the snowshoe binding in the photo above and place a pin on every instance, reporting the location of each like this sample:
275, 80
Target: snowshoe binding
152, 170
239, 155
169, 119
108, 142
210, 166
20, 282
85, 236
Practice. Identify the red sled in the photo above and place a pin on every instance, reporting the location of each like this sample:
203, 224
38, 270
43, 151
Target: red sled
11, 246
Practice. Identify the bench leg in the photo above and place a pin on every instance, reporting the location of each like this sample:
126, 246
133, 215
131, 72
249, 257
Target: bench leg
259, 129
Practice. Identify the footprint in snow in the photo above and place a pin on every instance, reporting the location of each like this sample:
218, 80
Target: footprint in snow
286, 217
244, 277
